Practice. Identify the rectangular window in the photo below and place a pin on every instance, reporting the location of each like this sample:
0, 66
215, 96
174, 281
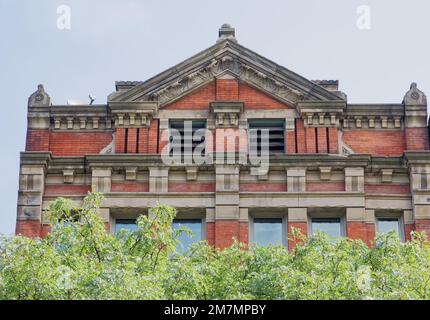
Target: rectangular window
275, 131
330, 226
388, 224
195, 225
268, 231
189, 137
127, 224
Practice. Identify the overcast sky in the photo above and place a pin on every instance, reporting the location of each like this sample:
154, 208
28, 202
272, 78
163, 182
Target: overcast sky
134, 40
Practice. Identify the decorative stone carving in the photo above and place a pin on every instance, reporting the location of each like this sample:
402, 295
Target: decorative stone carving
415, 96
110, 148
296, 179
325, 173
191, 173
387, 175
233, 65
226, 113
68, 176
39, 98
131, 174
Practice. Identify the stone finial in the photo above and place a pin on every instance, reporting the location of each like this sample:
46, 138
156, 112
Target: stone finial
39, 98
415, 96
226, 32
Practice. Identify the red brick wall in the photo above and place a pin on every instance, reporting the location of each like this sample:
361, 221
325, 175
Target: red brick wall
120, 140
28, 228
322, 140
255, 99
66, 189
191, 187
78, 143
199, 99
131, 140
387, 188
417, 138
210, 233
377, 142
143, 140
302, 226
263, 187
226, 230
333, 140
359, 230
227, 90
325, 186
408, 229
130, 186
310, 140
301, 136
37, 140
423, 225
290, 140
153, 137
371, 233
229, 140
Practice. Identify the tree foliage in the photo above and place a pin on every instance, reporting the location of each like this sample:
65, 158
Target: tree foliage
80, 260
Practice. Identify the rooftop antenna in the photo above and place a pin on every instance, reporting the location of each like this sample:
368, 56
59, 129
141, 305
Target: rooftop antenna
92, 98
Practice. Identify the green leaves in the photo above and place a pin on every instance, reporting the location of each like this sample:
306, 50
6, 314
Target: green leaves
80, 260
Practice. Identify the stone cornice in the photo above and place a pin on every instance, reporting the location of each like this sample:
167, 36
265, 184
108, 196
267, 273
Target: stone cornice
417, 157
133, 113
309, 161
35, 158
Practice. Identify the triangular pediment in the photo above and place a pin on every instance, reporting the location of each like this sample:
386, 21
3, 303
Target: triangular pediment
225, 60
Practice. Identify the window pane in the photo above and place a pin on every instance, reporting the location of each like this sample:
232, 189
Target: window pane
386, 225
330, 226
128, 224
268, 231
195, 226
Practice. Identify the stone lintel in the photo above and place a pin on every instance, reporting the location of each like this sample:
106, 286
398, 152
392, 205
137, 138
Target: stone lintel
297, 215
356, 214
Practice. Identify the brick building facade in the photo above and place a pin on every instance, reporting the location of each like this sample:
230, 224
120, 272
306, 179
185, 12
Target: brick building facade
351, 169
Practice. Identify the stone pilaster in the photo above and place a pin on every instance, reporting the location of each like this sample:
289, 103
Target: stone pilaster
296, 179
354, 179
158, 179
419, 172
101, 179
30, 194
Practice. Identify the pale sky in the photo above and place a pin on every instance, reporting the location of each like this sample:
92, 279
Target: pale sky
133, 40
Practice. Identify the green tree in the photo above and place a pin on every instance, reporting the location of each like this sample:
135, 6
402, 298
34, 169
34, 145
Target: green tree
80, 260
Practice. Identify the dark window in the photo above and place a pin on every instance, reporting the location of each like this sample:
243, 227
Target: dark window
125, 224
330, 226
268, 232
276, 135
187, 130
195, 225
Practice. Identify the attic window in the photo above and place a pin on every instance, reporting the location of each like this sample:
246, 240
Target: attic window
189, 137
276, 135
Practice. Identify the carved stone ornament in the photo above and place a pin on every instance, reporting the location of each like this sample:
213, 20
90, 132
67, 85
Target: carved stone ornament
227, 113
415, 96
110, 148
39, 98
219, 66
